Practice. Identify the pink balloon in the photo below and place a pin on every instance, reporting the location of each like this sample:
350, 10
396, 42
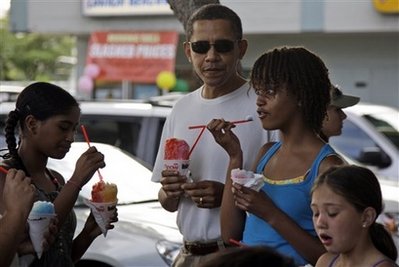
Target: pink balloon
85, 84
92, 70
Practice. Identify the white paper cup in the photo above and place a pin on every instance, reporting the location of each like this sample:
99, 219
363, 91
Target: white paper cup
179, 165
255, 183
102, 213
38, 225
241, 181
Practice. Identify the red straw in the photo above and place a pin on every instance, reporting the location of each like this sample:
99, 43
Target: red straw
3, 170
236, 243
86, 136
196, 141
234, 122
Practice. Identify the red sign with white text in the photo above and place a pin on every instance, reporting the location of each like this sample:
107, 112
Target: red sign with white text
132, 56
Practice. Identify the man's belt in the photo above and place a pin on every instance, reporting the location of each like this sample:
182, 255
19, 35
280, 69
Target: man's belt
198, 248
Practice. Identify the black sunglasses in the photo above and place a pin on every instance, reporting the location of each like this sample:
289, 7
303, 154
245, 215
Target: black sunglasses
221, 46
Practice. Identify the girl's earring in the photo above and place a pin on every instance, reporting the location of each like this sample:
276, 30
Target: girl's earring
364, 225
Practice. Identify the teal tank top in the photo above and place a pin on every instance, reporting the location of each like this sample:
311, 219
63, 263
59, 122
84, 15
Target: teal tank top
293, 199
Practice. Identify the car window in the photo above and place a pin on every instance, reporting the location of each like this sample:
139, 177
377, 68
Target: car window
382, 124
122, 132
352, 140
150, 136
138, 135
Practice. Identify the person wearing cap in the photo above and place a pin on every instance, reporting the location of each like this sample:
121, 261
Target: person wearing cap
332, 123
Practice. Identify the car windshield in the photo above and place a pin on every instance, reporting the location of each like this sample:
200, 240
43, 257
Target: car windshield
132, 178
387, 124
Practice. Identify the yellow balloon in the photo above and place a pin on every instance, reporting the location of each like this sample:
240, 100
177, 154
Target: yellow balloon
166, 80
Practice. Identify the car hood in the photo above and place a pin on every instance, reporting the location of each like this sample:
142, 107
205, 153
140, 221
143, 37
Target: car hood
132, 178
139, 227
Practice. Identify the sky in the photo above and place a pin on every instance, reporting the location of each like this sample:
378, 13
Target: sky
4, 6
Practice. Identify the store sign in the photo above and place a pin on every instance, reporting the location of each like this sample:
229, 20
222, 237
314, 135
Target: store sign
387, 6
125, 7
132, 56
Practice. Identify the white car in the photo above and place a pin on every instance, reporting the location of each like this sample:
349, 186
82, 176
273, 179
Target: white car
390, 215
370, 135
9, 92
146, 234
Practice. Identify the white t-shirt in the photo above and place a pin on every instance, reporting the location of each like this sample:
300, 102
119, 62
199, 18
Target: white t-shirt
208, 160
15, 262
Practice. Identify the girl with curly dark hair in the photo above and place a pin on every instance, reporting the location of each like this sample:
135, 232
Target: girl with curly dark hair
293, 87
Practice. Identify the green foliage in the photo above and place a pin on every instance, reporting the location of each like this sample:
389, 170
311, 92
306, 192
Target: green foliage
33, 56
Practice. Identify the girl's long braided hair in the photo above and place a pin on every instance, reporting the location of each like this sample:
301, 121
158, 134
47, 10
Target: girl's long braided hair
41, 100
301, 72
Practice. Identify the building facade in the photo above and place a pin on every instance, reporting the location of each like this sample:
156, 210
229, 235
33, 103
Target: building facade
358, 40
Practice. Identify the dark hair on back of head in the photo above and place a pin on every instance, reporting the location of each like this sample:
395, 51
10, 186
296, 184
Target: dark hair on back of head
360, 187
303, 74
213, 12
41, 100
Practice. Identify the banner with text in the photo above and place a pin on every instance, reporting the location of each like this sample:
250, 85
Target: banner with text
132, 56
125, 7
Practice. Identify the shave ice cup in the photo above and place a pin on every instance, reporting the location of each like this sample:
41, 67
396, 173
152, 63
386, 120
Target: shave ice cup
176, 156
39, 219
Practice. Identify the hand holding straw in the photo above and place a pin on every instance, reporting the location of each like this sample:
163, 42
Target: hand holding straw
86, 136
196, 141
247, 119
203, 127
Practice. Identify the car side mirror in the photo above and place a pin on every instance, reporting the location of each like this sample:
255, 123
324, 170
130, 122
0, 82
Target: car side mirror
374, 156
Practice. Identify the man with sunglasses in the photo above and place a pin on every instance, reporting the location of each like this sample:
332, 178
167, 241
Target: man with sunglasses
214, 45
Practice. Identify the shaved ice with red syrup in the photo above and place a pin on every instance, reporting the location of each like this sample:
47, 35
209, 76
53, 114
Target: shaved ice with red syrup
176, 156
176, 149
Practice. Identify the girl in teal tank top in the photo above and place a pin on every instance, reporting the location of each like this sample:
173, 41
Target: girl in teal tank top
293, 86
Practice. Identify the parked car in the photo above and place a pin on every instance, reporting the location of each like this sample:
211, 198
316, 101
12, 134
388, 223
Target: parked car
390, 215
370, 135
9, 92
146, 234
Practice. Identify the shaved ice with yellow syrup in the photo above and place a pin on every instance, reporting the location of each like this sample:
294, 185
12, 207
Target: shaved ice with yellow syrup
104, 192
103, 203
